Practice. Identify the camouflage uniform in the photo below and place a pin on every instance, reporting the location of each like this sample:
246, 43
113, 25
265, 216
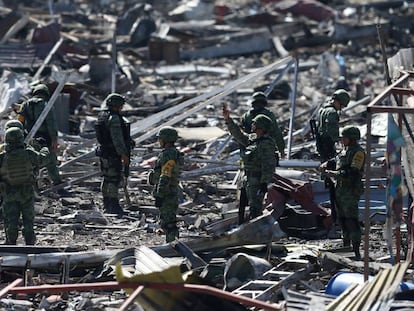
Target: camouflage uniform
349, 187
16, 172
113, 134
328, 124
258, 102
328, 129
165, 178
47, 134
259, 163
9, 124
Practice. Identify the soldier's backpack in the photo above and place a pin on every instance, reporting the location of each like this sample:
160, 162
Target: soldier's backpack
16, 167
101, 128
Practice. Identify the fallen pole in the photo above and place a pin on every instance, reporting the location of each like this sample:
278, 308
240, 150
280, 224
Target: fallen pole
113, 285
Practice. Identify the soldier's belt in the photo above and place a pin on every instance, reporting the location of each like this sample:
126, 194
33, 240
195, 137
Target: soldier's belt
253, 174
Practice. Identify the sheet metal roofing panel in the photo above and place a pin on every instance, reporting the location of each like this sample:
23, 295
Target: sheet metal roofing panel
16, 55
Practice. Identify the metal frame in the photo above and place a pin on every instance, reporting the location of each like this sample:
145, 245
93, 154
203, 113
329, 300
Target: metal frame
392, 89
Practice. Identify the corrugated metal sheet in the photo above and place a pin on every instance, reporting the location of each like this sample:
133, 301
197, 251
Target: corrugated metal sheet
17, 55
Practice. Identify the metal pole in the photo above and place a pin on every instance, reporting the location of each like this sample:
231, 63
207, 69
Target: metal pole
47, 59
114, 53
293, 107
131, 298
272, 85
367, 192
112, 285
4, 291
50, 4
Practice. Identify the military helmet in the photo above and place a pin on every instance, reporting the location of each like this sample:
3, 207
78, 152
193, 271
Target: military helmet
41, 89
259, 97
342, 96
168, 134
263, 122
13, 123
14, 135
351, 132
114, 100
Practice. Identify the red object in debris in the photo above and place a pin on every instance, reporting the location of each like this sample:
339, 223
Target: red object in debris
275, 201
314, 10
300, 191
220, 11
47, 34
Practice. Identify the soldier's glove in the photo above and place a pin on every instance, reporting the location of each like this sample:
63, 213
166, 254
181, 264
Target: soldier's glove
262, 189
158, 202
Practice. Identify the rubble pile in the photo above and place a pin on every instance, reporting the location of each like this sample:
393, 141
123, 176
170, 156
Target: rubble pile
177, 63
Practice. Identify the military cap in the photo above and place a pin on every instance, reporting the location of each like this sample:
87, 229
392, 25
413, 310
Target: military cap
351, 132
168, 134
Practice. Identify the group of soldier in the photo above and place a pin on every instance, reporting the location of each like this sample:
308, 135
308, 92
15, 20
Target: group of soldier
261, 142
115, 145
20, 163
258, 134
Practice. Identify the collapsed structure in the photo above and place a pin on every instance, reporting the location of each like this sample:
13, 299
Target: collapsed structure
178, 74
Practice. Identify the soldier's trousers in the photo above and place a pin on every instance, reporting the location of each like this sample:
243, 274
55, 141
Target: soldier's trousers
347, 212
254, 196
13, 207
168, 216
111, 169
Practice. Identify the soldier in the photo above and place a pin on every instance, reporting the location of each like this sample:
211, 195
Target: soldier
259, 103
349, 186
165, 179
259, 158
16, 172
47, 134
113, 135
9, 124
327, 134
328, 124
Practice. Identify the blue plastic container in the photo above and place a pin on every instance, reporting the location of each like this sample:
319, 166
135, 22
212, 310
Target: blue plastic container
340, 282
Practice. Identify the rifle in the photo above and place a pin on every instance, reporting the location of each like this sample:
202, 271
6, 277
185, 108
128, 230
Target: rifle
330, 184
126, 193
315, 133
130, 145
242, 194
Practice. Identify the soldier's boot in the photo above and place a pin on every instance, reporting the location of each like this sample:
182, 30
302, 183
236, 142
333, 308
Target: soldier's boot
30, 240
355, 248
11, 238
115, 207
107, 205
171, 232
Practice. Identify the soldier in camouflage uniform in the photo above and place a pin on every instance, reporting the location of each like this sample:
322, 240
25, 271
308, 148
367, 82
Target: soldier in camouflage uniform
349, 186
259, 158
9, 124
113, 135
259, 103
47, 134
17, 164
328, 124
165, 178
